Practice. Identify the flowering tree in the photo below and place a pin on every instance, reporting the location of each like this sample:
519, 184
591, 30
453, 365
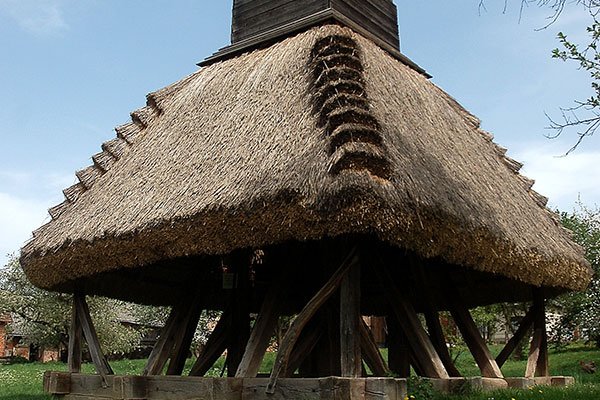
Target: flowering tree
582, 310
43, 318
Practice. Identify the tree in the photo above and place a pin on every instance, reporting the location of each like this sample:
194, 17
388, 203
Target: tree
44, 317
582, 310
584, 116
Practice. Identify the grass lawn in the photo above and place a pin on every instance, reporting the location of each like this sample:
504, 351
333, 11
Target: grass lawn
24, 381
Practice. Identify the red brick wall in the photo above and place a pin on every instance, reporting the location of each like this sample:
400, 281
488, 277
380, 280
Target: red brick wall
2, 339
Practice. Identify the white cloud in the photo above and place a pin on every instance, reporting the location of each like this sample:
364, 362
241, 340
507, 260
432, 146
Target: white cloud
40, 17
563, 179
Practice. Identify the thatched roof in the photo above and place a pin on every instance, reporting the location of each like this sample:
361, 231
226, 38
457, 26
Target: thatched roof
320, 135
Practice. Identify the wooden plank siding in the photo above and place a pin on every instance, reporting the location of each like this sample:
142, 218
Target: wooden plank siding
254, 17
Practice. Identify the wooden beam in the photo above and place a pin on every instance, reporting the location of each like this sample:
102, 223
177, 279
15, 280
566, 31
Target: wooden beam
328, 350
183, 338
215, 345
164, 345
436, 333
534, 354
475, 343
350, 323
537, 363
398, 348
240, 332
91, 337
304, 347
263, 330
75, 332
519, 335
419, 341
288, 342
432, 317
371, 353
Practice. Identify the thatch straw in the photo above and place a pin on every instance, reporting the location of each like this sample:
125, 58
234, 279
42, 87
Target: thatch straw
239, 155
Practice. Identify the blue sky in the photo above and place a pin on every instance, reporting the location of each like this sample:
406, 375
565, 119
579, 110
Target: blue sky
72, 70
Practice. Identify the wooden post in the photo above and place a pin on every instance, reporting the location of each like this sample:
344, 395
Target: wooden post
215, 345
309, 338
475, 343
75, 332
519, 335
240, 333
183, 338
350, 323
438, 339
537, 363
162, 349
398, 348
420, 343
263, 330
324, 358
371, 353
287, 345
432, 317
91, 337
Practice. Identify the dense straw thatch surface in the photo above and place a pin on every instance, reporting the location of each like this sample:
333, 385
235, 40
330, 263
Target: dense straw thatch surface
241, 154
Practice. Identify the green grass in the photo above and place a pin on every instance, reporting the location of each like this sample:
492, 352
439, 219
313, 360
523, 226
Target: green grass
24, 381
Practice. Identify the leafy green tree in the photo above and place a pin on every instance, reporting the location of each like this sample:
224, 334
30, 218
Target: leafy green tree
582, 310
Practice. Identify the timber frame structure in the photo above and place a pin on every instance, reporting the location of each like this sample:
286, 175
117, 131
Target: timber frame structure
308, 170
327, 352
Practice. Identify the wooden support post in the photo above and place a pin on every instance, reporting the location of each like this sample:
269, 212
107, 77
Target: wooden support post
91, 337
398, 348
420, 343
328, 350
75, 332
432, 317
215, 346
162, 349
519, 335
287, 345
240, 333
438, 339
350, 323
371, 353
183, 338
263, 330
309, 338
475, 343
537, 363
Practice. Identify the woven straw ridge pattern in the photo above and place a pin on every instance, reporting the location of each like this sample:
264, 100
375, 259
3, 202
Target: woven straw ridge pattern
233, 157
343, 107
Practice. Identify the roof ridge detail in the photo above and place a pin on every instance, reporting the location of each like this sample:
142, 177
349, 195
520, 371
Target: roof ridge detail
343, 109
515, 167
112, 151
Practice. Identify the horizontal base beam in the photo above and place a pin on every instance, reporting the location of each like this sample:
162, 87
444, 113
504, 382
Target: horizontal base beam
68, 386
